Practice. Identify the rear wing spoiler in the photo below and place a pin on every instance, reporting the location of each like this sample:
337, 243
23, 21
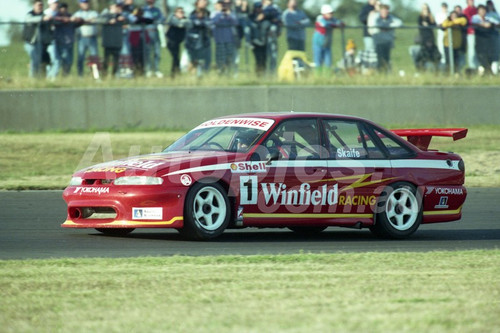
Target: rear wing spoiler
421, 137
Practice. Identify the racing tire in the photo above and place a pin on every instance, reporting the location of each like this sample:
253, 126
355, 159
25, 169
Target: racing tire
399, 211
307, 230
115, 231
207, 212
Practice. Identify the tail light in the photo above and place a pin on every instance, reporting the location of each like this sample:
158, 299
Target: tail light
461, 165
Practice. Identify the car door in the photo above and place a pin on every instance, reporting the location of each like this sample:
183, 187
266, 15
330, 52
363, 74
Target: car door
291, 190
357, 166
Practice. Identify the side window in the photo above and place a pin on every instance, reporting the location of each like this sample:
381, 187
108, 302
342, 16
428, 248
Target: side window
394, 148
295, 139
348, 140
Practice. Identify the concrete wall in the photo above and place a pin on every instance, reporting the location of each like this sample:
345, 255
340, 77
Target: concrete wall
63, 109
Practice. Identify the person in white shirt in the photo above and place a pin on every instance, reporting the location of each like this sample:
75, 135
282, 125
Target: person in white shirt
440, 18
86, 34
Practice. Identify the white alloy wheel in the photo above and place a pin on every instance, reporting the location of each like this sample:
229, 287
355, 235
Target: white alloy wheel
399, 211
209, 208
402, 209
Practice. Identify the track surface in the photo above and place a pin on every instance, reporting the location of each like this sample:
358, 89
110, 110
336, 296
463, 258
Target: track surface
30, 228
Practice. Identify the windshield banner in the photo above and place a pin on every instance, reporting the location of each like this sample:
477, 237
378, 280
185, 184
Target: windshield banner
255, 123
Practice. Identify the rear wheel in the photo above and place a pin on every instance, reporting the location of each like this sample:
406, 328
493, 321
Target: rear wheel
206, 212
399, 211
115, 231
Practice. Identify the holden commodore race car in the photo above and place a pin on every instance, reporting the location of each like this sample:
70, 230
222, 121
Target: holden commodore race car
302, 171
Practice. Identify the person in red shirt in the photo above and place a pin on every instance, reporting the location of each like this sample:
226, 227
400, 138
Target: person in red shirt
470, 11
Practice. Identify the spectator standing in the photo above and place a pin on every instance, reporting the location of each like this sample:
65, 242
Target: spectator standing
384, 38
86, 34
126, 62
139, 39
295, 21
363, 17
64, 36
153, 47
426, 25
272, 16
456, 24
53, 65
493, 16
37, 37
256, 34
485, 44
175, 36
463, 49
322, 37
198, 37
428, 56
113, 20
241, 10
469, 12
440, 17
224, 22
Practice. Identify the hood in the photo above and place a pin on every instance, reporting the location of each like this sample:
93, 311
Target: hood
157, 164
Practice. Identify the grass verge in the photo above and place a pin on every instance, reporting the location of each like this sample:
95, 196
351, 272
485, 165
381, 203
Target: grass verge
47, 160
355, 292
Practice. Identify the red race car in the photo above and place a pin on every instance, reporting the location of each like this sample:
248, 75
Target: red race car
297, 170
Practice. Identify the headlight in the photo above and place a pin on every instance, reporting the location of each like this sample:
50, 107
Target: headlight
139, 180
75, 181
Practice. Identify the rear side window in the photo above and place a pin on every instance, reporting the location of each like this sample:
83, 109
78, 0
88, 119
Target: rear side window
349, 140
395, 149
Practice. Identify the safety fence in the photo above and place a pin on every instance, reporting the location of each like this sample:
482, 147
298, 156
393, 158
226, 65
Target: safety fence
408, 54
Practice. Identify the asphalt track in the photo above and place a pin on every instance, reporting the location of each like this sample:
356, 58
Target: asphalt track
30, 229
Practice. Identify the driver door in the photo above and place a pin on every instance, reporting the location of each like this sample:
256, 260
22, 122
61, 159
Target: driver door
291, 190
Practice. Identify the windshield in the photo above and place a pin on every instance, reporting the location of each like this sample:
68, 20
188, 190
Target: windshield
231, 139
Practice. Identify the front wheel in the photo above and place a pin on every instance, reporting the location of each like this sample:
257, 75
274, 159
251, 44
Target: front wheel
206, 212
399, 211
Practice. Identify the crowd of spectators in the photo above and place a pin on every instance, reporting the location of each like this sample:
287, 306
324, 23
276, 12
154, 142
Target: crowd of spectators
132, 36
467, 37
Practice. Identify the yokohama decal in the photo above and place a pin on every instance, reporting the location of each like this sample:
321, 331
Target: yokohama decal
91, 190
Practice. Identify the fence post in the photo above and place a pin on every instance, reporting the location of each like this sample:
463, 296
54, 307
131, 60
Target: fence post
342, 51
450, 51
145, 52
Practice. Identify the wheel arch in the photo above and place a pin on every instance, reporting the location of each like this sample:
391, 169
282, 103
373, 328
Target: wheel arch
231, 195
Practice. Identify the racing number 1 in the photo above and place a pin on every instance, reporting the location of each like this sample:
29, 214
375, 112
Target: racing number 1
248, 190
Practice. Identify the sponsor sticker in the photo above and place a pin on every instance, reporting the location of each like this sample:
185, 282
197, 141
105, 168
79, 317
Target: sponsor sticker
255, 123
348, 153
186, 180
443, 203
147, 213
239, 215
445, 190
91, 190
247, 167
277, 193
357, 200
107, 169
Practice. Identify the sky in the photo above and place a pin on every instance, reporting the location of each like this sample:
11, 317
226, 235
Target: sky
17, 9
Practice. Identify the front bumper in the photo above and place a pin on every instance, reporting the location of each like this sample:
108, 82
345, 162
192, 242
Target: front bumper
125, 207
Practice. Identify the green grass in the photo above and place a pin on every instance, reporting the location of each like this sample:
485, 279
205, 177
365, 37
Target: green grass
14, 70
355, 292
47, 160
